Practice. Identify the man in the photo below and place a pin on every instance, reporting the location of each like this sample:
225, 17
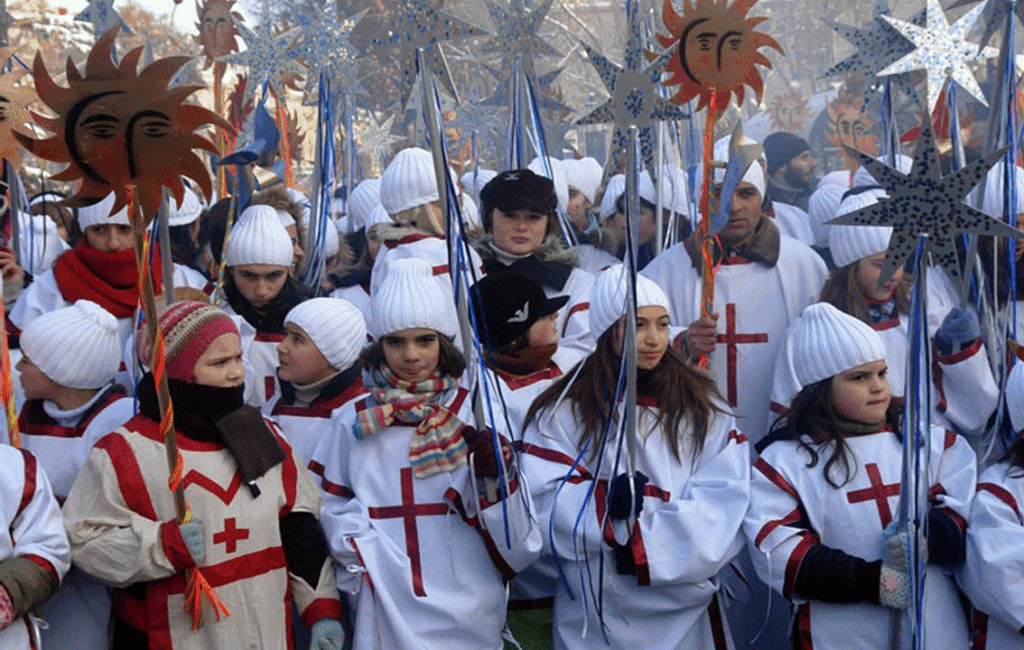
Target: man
790, 183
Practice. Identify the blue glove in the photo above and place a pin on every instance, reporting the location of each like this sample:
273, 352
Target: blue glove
619, 505
327, 634
959, 329
192, 534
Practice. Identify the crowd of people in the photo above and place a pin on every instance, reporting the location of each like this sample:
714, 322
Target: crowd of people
358, 474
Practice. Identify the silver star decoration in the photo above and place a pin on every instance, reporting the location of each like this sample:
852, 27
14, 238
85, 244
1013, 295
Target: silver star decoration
377, 140
635, 94
328, 49
102, 16
490, 123
266, 56
503, 93
517, 35
404, 27
924, 201
996, 12
941, 50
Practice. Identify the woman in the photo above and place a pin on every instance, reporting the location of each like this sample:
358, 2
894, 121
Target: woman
663, 524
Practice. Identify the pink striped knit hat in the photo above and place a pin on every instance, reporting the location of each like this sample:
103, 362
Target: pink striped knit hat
188, 329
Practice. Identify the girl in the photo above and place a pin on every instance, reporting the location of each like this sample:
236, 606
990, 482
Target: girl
421, 546
519, 211
964, 393
318, 371
253, 532
824, 494
663, 531
353, 282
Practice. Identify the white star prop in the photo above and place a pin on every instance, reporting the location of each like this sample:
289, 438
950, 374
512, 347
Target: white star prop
102, 16
377, 140
266, 56
328, 49
941, 50
517, 35
924, 201
996, 13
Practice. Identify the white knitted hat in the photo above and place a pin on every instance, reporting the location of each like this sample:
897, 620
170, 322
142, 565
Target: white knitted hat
608, 298
408, 181
335, 326
827, 342
41, 244
863, 177
851, 243
331, 237
755, 173
994, 197
259, 238
378, 215
98, 214
557, 176
822, 207
77, 346
410, 298
1015, 396
192, 206
674, 196
364, 199
585, 175
613, 189
474, 180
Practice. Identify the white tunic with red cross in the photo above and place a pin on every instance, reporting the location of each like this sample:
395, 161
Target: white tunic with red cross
756, 305
423, 561
34, 528
994, 570
793, 507
120, 519
687, 531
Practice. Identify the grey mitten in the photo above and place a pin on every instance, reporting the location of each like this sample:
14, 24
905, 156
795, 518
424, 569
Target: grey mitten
192, 534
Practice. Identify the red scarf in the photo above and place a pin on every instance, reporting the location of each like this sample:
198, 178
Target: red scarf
111, 280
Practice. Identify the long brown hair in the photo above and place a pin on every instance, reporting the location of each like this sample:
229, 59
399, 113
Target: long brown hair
679, 389
450, 361
843, 292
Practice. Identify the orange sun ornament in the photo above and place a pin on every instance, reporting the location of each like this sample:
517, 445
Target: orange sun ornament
849, 126
789, 112
217, 33
116, 127
716, 51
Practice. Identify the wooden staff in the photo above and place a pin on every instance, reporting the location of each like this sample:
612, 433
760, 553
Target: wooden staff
707, 276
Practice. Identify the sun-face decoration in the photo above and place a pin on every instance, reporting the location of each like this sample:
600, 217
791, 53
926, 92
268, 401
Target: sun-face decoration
116, 127
789, 112
716, 51
295, 138
849, 126
15, 99
217, 33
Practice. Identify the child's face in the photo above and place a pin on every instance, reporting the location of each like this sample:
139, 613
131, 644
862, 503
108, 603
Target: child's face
220, 365
862, 394
869, 270
412, 354
35, 384
259, 283
652, 336
300, 361
543, 332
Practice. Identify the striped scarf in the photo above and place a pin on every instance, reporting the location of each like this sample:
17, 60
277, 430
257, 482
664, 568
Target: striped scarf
437, 445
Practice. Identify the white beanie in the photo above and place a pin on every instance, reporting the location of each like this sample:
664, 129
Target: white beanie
98, 214
77, 346
192, 206
557, 176
992, 201
612, 191
1015, 396
331, 237
259, 238
755, 173
608, 298
674, 197
827, 342
376, 216
852, 243
410, 298
863, 177
41, 244
822, 207
365, 197
334, 325
408, 181
474, 180
585, 175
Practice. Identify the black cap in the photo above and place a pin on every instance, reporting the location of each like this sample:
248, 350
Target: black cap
781, 147
518, 189
506, 305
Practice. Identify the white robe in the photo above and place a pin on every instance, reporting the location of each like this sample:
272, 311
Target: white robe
756, 306
993, 573
430, 580
793, 222
687, 531
792, 508
305, 426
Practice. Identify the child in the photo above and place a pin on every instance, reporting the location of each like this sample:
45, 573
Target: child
422, 550
826, 489
318, 371
664, 528
353, 282
253, 533
67, 371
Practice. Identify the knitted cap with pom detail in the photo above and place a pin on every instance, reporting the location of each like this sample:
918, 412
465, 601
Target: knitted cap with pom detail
365, 197
408, 181
188, 329
77, 346
410, 298
259, 238
608, 298
828, 342
334, 325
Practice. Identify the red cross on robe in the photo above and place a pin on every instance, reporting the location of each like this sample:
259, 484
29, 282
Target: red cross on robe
408, 511
230, 536
731, 338
879, 492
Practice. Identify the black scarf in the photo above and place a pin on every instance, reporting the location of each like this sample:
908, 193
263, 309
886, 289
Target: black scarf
270, 318
549, 274
219, 415
334, 387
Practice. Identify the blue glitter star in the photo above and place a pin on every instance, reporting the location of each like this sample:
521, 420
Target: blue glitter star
267, 56
102, 16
